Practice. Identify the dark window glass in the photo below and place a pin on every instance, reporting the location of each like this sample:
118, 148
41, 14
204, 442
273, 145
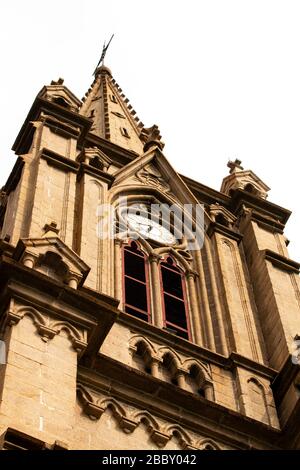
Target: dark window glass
134, 266
136, 313
172, 282
135, 293
135, 283
175, 312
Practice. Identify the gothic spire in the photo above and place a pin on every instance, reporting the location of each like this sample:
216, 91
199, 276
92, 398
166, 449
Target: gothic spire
113, 117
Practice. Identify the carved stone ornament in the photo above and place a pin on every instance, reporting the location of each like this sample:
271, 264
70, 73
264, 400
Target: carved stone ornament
215, 211
151, 176
95, 403
46, 326
52, 257
156, 353
151, 137
95, 158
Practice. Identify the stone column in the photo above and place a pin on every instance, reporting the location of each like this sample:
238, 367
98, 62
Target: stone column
215, 292
207, 320
195, 313
180, 376
156, 290
118, 269
209, 392
155, 367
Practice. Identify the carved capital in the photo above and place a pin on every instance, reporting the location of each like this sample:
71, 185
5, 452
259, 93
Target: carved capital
190, 274
73, 280
181, 371
29, 260
156, 359
119, 241
154, 258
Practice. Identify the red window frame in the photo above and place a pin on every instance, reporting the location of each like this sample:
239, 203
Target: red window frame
175, 269
125, 276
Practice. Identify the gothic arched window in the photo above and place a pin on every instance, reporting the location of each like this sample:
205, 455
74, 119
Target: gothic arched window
174, 299
135, 282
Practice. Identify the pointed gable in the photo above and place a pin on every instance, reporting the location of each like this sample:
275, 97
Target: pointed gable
152, 169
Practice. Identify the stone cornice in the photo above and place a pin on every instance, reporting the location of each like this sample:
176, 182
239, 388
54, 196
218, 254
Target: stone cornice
267, 212
96, 173
117, 154
59, 161
266, 222
264, 212
194, 412
236, 360
59, 127
281, 262
40, 104
13, 439
215, 227
284, 379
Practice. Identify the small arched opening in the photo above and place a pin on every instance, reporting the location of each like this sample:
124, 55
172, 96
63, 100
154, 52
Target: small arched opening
142, 357
168, 369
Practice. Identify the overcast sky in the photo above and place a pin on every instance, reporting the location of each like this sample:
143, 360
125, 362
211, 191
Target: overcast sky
221, 78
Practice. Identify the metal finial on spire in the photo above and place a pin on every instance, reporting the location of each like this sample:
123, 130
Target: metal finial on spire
104, 50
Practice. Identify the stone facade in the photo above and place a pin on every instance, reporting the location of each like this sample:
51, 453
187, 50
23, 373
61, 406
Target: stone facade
80, 373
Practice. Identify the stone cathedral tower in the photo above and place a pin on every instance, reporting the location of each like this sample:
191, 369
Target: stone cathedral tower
139, 342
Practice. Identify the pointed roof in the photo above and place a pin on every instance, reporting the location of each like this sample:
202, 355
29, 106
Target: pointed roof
113, 117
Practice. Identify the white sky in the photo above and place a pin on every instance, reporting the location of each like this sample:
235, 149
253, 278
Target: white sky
221, 78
